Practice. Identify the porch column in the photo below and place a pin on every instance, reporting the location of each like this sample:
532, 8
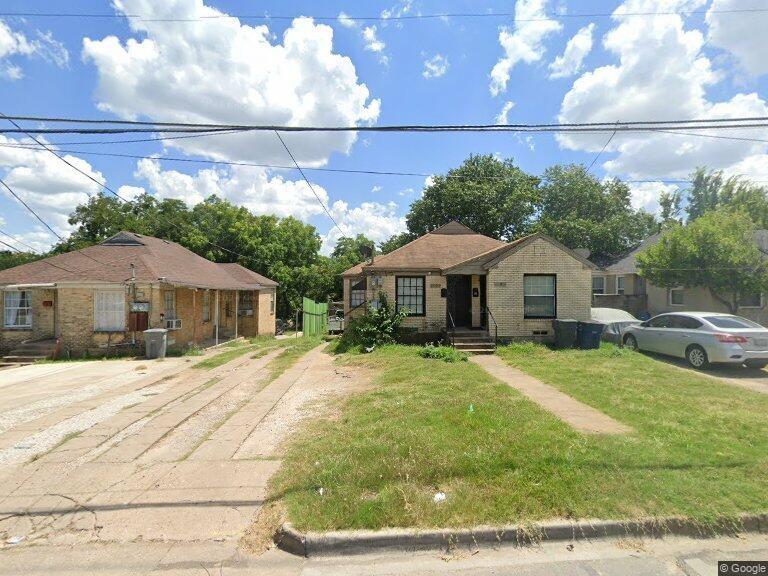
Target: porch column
237, 303
216, 318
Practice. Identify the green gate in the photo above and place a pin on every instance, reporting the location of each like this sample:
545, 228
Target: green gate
314, 318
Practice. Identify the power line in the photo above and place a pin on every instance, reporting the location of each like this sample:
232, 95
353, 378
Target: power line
325, 208
4, 233
554, 16
27, 206
602, 150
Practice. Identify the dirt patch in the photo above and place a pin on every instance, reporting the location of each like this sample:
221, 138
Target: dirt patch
260, 536
308, 397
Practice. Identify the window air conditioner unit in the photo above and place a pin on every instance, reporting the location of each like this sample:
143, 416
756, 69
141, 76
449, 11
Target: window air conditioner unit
173, 324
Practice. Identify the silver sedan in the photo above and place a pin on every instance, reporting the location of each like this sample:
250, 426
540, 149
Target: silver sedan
702, 338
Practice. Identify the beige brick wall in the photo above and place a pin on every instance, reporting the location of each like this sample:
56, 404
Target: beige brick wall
42, 321
265, 303
505, 288
434, 319
699, 300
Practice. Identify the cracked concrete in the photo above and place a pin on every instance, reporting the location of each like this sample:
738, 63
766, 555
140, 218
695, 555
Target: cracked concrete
146, 459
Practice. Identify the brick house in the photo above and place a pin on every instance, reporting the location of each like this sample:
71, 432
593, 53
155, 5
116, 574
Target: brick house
457, 281
618, 284
100, 299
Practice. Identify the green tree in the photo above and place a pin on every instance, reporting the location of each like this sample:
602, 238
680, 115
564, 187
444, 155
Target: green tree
581, 211
395, 242
716, 251
490, 196
9, 259
347, 253
711, 190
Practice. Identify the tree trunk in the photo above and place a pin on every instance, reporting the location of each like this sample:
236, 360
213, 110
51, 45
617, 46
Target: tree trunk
730, 304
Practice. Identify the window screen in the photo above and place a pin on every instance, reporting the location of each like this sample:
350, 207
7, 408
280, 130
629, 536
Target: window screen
109, 311
540, 296
598, 285
410, 294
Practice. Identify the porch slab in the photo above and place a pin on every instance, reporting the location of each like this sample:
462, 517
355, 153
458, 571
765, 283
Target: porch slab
578, 415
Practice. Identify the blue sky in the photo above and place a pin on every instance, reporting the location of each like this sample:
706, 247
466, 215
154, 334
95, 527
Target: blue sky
457, 70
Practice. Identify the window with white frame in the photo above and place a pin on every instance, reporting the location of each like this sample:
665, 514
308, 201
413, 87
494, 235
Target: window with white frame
207, 306
272, 303
598, 284
169, 298
18, 309
540, 295
676, 297
357, 294
109, 311
620, 284
753, 300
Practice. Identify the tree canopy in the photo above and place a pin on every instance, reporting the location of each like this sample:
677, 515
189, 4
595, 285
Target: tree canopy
716, 251
490, 196
711, 190
581, 211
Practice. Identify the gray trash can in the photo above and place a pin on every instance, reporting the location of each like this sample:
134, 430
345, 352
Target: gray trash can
155, 342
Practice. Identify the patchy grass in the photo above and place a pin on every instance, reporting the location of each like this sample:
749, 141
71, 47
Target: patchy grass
700, 447
234, 350
294, 349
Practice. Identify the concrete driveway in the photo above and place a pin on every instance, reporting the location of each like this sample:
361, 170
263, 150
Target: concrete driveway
127, 451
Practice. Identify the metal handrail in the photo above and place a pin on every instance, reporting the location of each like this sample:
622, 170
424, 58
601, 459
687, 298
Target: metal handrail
450, 333
495, 325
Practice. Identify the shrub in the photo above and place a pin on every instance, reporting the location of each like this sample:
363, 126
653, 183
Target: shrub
377, 327
444, 353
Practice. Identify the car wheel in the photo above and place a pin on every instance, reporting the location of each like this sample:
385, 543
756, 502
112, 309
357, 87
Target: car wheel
759, 364
697, 357
630, 342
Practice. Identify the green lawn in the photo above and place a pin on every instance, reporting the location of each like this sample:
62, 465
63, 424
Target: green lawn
700, 447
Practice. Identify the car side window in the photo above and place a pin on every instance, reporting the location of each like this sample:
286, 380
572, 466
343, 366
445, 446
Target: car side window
659, 322
689, 323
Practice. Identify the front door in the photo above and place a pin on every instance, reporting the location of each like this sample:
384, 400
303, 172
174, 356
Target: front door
459, 300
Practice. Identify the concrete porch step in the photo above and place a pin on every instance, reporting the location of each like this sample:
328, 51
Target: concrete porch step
23, 359
475, 346
477, 351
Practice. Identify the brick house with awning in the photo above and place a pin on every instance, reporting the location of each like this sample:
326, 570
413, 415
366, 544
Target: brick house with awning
455, 280
101, 298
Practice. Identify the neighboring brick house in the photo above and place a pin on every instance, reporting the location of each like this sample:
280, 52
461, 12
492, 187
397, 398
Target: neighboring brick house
101, 298
453, 278
618, 284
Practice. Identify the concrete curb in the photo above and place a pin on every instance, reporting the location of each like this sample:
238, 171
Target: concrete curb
368, 541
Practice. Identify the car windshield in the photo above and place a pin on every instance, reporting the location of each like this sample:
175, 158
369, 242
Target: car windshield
732, 322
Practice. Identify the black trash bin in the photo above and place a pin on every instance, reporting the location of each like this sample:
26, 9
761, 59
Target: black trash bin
565, 333
589, 334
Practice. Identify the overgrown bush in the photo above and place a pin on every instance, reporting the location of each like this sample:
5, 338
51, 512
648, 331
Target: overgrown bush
444, 353
378, 326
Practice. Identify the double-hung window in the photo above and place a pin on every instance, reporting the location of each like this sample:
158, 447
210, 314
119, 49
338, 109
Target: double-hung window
676, 297
109, 311
620, 286
410, 295
207, 306
754, 300
598, 284
245, 305
169, 299
357, 293
18, 309
540, 295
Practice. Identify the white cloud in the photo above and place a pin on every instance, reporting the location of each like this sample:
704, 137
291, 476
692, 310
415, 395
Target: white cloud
223, 71
377, 221
372, 42
400, 9
252, 187
346, 21
524, 43
49, 186
645, 195
570, 61
743, 35
503, 117
13, 43
435, 67
375, 189
661, 73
